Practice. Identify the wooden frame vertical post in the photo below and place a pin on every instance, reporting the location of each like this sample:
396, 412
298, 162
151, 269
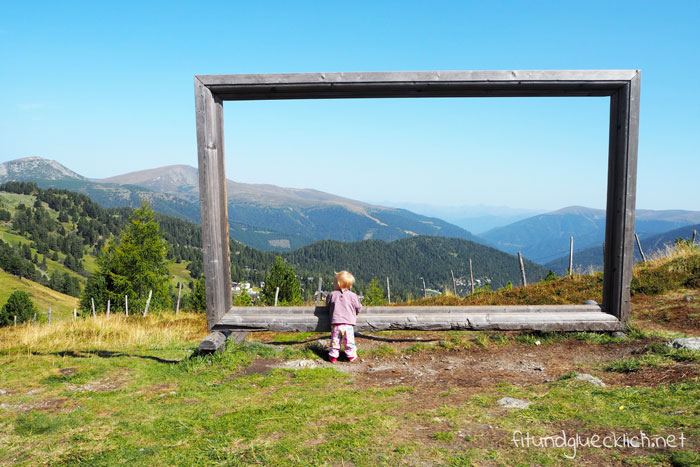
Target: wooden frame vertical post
212, 198
622, 188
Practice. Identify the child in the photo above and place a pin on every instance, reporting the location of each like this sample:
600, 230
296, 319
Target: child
343, 306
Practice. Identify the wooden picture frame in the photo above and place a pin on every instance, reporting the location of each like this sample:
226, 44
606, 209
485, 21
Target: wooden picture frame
622, 86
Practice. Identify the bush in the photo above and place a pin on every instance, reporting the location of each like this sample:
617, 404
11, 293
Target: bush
20, 305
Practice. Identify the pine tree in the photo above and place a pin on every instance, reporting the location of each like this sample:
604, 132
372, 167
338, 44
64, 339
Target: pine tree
134, 265
243, 299
374, 295
197, 300
18, 304
281, 275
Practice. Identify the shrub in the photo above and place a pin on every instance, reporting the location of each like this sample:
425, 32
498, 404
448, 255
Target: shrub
20, 305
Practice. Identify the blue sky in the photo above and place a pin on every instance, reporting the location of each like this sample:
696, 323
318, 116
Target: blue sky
106, 88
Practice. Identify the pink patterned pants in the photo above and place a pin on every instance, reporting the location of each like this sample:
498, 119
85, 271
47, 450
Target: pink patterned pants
345, 333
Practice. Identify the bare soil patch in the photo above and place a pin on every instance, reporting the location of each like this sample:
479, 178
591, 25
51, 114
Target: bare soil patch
473, 369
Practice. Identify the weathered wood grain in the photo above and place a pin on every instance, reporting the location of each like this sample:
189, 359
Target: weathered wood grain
216, 340
525, 317
622, 188
213, 207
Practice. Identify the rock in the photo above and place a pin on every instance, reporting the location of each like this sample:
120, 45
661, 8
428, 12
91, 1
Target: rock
590, 379
690, 343
688, 298
538, 343
3, 392
448, 368
538, 368
298, 364
511, 403
619, 334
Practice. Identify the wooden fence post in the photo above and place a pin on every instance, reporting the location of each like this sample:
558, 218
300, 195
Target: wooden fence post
126, 304
425, 293
639, 245
179, 292
94, 314
522, 269
454, 282
34, 319
695, 235
388, 290
148, 302
277, 293
15, 320
108, 308
49, 316
471, 274
571, 257
75, 314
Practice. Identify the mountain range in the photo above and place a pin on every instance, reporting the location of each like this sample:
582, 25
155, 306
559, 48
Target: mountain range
545, 237
263, 216
268, 217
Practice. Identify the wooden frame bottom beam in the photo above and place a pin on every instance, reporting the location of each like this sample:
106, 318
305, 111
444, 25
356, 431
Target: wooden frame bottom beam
505, 318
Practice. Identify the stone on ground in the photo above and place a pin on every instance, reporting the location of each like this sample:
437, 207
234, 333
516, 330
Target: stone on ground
589, 379
690, 343
512, 403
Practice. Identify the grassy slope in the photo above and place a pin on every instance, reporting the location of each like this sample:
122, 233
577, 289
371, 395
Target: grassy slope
115, 391
61, 305
10, 201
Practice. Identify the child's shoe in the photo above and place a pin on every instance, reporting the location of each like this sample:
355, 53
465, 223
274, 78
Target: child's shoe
352, 359
333, 359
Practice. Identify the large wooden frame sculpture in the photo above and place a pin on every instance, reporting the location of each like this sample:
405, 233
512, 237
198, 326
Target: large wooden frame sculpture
623, 88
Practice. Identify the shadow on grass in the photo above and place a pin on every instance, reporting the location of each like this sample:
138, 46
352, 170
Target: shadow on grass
357, 334
108, 354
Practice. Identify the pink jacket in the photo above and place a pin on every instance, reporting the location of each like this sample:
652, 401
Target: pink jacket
343, 305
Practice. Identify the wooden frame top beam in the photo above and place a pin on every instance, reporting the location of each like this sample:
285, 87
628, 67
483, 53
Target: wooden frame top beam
531, 83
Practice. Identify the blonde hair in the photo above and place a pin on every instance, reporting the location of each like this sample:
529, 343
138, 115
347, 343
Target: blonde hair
344, 280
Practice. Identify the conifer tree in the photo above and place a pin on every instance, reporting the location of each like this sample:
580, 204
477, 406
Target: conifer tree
133, 265
374, 295
281, 275
18, 304
244, 299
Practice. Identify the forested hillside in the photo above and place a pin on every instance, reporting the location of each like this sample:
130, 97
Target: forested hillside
54, 236
406, 260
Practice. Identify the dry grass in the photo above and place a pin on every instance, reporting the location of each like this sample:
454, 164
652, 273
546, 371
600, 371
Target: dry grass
105, 333
671, 268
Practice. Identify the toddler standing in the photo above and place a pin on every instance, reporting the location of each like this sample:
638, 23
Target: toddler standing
343, 306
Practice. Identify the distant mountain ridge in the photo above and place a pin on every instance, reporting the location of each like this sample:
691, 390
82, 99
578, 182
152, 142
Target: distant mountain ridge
38, 167
264, 216
545, 237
